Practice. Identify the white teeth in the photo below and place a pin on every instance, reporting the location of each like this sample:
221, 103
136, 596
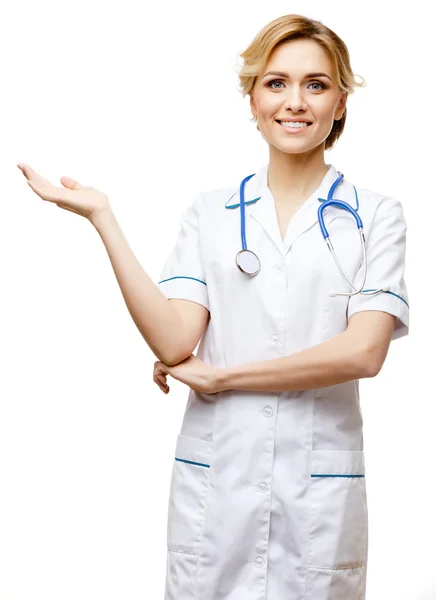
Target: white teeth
294, 124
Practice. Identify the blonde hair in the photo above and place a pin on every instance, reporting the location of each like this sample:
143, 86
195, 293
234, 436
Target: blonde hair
292, 27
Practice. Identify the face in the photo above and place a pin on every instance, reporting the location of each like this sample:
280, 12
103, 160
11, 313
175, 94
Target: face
293, 94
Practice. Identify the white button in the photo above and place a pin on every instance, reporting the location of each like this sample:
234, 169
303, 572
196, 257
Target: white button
258, 561
262, 486
267, 411
273, 338
279, 266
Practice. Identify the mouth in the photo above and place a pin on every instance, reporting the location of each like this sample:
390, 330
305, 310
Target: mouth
300, 125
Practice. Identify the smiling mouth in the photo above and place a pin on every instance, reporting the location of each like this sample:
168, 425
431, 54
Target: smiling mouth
307, 122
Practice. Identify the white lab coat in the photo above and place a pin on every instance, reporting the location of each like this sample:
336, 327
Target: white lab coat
248, 518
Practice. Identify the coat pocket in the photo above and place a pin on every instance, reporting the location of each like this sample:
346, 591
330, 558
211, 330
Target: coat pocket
338, 509
188, 490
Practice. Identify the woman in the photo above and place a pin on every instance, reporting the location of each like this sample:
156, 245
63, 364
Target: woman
268, 496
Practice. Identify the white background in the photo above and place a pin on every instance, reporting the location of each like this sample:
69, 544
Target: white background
142, 102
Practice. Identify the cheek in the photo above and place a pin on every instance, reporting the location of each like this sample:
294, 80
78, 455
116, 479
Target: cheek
324, 111
267, 107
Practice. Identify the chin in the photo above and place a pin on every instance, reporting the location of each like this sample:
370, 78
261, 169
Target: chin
293, 146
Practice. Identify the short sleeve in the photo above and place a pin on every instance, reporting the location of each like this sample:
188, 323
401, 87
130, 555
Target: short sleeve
182, 275
386, 256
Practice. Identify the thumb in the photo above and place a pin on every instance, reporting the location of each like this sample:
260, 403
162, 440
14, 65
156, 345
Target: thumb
71, 184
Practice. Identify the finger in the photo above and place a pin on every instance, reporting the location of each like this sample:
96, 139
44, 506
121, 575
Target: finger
163, 386
158, 384
159, 371
70, 183
44, 188
30, 173
162, 368
47, 191
161, 380
26, 170
161, 377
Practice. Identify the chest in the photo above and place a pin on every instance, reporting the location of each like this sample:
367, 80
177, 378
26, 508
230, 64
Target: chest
284, 216
306, 269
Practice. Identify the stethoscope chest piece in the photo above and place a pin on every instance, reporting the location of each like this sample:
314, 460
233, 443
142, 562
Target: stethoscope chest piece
248, 262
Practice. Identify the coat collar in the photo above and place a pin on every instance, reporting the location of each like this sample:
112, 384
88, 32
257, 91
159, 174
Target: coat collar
259, 205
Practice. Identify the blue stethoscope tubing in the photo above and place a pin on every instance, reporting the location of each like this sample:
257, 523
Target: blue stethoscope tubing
248, 262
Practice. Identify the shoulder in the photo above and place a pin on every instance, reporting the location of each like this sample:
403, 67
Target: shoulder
374, 200
207, 202
215, 196
381, 214
213, 202
373, 204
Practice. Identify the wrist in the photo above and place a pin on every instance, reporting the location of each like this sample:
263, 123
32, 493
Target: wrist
101, 217
222, 379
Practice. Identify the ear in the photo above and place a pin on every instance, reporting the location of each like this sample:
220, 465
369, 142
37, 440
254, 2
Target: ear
340, 109
252, 106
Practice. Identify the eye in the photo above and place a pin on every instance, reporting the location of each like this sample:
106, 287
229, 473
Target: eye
318, 83
274, 81
270, 84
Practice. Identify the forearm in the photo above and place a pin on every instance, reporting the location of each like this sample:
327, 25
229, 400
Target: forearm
332, 362
154, 316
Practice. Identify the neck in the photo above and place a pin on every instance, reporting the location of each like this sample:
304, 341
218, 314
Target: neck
292, 178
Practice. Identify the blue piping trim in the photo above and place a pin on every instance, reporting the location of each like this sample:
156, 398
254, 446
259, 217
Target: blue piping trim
248, 202
325, 475
386, 292
182, 277
191, 462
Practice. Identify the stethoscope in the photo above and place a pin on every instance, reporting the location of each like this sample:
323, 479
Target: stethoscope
248, 262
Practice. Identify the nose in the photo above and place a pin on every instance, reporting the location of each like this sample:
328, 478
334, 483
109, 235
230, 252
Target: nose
295, 98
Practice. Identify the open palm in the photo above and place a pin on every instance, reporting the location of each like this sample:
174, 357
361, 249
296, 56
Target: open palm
83, 200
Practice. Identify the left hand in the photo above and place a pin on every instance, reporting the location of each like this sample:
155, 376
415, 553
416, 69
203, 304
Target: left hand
85, 201
196, 374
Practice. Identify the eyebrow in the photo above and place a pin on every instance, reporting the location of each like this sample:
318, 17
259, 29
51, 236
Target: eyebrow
282, 74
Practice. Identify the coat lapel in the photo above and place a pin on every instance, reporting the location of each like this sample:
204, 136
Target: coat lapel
307, 215
259, 205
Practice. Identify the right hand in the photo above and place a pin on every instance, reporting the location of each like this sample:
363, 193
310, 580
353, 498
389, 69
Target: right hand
85, 201
160, 378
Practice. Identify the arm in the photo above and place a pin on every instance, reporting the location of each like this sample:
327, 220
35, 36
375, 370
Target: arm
356, 353
171, 329
159, 320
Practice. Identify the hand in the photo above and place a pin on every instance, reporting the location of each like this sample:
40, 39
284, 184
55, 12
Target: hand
85, 201
196, 374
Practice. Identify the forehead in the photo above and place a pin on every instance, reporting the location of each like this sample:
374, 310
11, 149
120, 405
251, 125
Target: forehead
298, 57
